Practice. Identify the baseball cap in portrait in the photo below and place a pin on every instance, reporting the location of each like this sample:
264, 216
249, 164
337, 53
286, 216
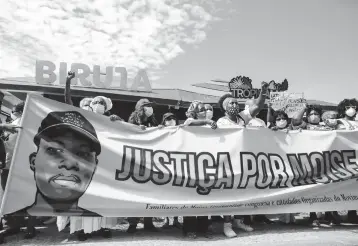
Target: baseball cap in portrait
57, 123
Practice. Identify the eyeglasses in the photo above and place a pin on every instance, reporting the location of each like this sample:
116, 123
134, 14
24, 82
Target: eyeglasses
348, 107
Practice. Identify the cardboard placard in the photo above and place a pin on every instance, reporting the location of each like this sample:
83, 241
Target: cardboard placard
289, 102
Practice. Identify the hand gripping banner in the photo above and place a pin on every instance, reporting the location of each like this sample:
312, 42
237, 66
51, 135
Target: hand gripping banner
69, 161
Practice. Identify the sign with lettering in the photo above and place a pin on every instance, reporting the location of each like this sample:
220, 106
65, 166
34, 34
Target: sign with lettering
115, 77
94, 168
241, 87
289, 102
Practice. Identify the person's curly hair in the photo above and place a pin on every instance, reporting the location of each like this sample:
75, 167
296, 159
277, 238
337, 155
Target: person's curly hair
316, 108
280, 113
137, 117
222, 99
193, 109
341, 108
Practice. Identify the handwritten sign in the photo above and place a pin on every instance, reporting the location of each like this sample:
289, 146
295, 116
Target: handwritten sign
289, 102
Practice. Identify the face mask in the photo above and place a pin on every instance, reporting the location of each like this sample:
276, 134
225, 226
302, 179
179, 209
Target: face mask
209, 115
13, 116
148, 111
351, 112
281, 124
233, 110
170, 123
88, 108
201, 115
314, 119
331, 122
98, 108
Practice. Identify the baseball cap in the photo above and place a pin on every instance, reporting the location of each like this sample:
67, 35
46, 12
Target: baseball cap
142, 102
168, 115
56, 122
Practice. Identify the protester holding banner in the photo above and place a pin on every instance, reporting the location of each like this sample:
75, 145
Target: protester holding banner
230, 106
192, 225
143, 116
169, 119
196, 115
329, 118
347, 111
86, 225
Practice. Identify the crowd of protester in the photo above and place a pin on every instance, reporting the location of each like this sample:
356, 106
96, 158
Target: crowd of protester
198, 114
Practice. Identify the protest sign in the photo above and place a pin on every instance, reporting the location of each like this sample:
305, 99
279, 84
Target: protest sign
291, 103
73, 162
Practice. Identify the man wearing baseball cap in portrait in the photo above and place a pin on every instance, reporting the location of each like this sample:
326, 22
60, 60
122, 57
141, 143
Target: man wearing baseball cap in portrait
64, 164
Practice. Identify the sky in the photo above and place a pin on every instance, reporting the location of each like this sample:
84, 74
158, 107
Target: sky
314, 44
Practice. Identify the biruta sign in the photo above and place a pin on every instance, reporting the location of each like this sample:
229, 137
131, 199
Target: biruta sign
115, 77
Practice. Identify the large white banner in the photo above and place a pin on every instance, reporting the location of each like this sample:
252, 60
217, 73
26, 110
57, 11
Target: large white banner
73, 162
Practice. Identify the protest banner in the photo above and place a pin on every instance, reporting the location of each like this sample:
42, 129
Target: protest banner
291, 103
73, 162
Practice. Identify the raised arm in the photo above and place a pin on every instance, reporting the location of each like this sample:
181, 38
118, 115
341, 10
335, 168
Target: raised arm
70, 76
297, 118
269, 117
260, 101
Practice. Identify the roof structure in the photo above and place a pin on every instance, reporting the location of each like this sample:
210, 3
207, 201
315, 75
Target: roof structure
19, 87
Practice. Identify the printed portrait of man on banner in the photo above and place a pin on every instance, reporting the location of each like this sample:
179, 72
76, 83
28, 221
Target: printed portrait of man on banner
63, 165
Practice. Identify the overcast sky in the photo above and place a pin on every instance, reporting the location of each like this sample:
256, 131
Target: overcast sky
314, 44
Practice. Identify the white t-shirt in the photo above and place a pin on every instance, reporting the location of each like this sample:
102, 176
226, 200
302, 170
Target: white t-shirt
225, 121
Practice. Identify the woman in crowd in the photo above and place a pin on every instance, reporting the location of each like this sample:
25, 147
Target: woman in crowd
314, 123
347, 111
83, 226
230, 106
196, 116
169, 119
142, 116
281, 122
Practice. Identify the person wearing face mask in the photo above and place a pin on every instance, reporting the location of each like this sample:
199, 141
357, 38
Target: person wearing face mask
329, 118
142, 116
192, 225
84, 226
169, 119
101, 105
230, 106
196, 115
85, 102
347, 111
